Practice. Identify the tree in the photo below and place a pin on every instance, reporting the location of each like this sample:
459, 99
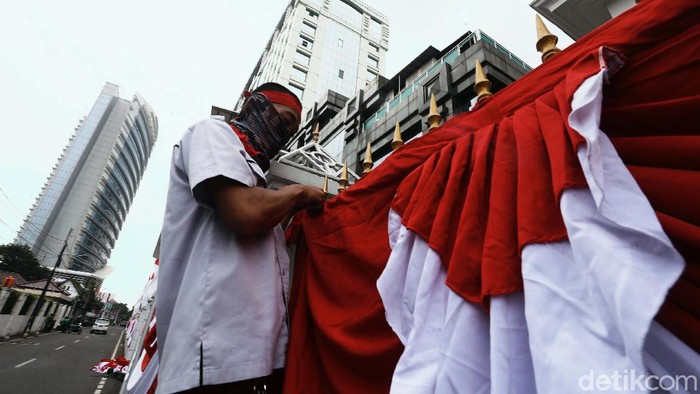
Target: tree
20, 259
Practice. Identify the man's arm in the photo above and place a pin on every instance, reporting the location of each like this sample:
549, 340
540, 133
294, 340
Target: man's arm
253, 210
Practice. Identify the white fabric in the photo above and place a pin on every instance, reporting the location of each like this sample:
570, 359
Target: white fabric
219, 297
587, 304
448, 341
666, 355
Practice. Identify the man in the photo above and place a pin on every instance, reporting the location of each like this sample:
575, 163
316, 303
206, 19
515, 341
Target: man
223, 270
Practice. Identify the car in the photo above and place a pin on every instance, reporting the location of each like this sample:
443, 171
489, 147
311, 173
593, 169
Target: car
100, 326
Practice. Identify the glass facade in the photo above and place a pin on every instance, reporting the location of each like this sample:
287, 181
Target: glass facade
338, 58
127, 164
335, 147
94, 183
347, 13
32, 232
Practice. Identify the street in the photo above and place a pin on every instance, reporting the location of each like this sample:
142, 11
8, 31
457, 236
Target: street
59, 363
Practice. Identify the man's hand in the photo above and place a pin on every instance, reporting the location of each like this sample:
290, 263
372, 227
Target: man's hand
308, 197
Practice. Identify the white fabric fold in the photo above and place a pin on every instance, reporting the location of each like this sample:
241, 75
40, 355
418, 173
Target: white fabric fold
448, 341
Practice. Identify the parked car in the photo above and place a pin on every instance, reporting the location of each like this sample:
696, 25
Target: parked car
100, 326
71, 328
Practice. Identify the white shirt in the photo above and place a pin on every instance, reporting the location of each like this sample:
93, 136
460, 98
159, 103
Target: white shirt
219, 301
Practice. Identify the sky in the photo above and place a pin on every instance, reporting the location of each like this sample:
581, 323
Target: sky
182, 57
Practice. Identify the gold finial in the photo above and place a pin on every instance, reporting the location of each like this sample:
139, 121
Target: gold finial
316, 133
482, 85
433, 116
546, 41
397, 137
325, 185
343, 178
367, 164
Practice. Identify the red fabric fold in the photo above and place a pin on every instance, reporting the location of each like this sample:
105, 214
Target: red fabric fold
487, 183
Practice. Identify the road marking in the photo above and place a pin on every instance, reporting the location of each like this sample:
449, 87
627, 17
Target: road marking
76, 341
25, 363
117, 345
87, 337
101, 385
60, 347
37, 344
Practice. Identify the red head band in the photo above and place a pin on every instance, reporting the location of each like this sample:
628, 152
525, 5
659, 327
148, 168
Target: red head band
284, 99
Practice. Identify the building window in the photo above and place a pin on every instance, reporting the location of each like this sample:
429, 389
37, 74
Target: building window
340, 74
302, 59
373, 62
375, 28
371, 75
340, 42
298, 75
311, 14
306, 43
308, 29
431, 87
296, 90
374, 47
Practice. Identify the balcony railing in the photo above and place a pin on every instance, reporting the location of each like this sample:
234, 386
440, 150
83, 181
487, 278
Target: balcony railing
476, 36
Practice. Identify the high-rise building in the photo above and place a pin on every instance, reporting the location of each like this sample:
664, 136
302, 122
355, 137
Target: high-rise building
347, 125
92, 186
323, 44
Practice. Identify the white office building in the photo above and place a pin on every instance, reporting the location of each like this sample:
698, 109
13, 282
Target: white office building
319, 45
93, 184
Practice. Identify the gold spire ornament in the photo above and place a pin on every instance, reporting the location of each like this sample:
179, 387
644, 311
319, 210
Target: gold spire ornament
325, 185
397, 142
482, 86
316, 133
367, 164
546, 41
343, 178
434, 116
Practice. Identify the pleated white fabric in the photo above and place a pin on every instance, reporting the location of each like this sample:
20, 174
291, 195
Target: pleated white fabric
587, 305
451, 346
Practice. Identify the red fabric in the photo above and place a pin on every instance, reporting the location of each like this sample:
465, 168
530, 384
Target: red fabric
488, 182
246, 143
284, 99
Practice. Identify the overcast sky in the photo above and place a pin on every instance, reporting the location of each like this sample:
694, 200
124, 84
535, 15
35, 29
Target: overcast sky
182, 57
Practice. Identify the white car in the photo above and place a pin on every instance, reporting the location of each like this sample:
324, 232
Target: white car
100, 326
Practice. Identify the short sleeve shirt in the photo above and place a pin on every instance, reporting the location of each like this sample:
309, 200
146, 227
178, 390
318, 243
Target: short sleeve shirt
219, 304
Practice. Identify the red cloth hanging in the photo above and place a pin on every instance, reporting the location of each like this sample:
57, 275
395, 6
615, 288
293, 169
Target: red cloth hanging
487, 183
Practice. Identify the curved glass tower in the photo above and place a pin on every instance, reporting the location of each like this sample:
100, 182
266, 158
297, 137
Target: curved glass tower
94, 183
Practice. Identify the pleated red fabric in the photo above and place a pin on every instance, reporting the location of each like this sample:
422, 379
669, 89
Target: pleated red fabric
488, 182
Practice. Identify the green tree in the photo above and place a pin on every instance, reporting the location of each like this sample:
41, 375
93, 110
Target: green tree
90, 301
20, 259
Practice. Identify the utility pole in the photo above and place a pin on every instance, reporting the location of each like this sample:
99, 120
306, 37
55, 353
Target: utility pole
28, 327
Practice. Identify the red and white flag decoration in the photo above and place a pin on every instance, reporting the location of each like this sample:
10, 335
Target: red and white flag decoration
143, 375
531, 242
109, 366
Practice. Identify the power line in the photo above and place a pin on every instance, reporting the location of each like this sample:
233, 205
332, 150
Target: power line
44, 245
28, 222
